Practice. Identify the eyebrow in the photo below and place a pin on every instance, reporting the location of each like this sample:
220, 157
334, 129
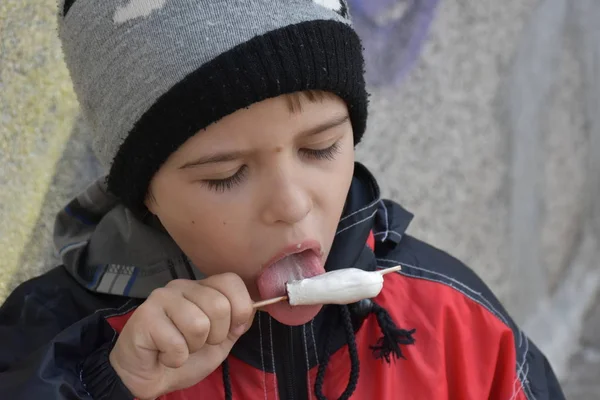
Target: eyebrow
234, 155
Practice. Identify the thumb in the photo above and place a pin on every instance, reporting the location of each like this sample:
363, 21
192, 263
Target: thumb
237, 331
222, 350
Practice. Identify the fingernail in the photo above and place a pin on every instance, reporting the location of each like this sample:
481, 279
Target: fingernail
239, 330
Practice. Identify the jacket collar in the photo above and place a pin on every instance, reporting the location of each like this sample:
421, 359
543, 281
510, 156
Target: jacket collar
356, 222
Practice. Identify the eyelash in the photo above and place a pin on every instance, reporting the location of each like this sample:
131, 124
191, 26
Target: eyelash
221, 185
323, 154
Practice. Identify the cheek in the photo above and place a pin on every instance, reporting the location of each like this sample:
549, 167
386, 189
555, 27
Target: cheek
205, 230
334, 188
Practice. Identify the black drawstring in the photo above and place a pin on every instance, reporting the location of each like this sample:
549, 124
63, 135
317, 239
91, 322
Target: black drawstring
388, 345
354, 361
227, 380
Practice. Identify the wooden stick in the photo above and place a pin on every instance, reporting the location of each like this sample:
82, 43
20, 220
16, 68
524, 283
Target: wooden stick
260, 304
388, 270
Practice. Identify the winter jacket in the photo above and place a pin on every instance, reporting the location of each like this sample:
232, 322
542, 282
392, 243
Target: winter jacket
435, 331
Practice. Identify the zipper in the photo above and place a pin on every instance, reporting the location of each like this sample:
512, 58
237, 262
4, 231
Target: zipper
290, 368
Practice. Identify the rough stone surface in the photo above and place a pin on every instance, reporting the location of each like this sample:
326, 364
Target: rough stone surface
582, 381
73, 172
450, 161
565, 157
37, 108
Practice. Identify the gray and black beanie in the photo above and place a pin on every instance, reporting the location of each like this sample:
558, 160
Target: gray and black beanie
149, 74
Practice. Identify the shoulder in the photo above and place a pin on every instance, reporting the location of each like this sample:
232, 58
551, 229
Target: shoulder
427, 270
426, 267
452, 308
456, 315
53, 278
55, 295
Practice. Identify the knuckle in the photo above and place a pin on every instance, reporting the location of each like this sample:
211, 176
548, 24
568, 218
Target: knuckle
142, 314
159, 295
199, 326
216, 338
230, 278
179, 350
178, 359
220, 308
245, 311
139, 313
176, 284
242, 314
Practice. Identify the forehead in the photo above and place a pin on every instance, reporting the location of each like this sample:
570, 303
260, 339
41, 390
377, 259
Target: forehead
266, 122
290, 112
296, 100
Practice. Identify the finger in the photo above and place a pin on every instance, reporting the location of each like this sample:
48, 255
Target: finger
216, 307
190, 320
212, 303
234, 289
199, 365
166, 338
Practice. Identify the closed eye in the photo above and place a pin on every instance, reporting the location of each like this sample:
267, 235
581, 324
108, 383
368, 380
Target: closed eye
323, 154
221, 185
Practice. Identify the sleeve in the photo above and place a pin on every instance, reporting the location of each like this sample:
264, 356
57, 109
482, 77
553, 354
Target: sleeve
51, 348
498, 354
488, 355
520, 371
543, 382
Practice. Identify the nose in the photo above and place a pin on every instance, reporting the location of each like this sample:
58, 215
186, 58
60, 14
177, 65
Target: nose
286, 199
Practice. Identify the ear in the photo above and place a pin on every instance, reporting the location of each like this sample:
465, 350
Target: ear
150, 202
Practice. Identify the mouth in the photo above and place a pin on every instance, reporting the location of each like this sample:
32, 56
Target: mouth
307, 245
297, 261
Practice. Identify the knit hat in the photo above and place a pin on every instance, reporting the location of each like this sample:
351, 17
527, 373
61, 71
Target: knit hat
149, 74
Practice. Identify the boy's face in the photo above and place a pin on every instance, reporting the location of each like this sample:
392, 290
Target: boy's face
260, 180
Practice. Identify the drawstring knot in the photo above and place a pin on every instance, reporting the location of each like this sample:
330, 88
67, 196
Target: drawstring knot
389, 344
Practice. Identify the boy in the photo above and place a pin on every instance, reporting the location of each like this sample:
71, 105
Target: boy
229, 130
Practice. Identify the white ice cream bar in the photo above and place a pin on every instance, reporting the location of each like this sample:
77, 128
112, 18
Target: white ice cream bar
343, 286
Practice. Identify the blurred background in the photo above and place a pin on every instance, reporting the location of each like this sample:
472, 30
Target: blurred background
485, 123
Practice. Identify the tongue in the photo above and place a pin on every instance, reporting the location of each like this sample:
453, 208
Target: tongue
271, 283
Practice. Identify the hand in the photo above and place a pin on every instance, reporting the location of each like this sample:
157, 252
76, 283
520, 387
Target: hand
181, 334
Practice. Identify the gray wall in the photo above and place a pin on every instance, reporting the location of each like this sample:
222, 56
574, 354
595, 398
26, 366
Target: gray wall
495, 137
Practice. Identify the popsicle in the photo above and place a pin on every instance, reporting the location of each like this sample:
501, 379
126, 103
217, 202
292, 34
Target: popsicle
343, 286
